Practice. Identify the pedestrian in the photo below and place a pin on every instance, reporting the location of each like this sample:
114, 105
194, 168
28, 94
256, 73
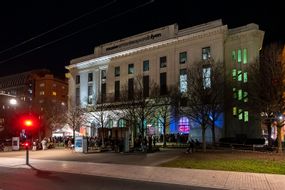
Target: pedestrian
190, 148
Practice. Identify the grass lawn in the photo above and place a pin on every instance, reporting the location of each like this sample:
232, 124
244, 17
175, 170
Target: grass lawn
257, 162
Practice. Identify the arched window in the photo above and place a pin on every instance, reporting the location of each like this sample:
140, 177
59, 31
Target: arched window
122, 123
183, 125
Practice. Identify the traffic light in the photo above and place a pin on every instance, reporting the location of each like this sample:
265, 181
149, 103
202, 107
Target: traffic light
28, 123
26, 144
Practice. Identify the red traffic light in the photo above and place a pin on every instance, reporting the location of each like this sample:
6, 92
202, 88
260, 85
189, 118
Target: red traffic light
26, 144
28, 123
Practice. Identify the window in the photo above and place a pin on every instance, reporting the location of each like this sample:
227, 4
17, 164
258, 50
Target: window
184, 125
117, 90
103, 92
110, 123
54, 93
145, 86
245, 96
163, 61
163, 86
54, 85
234, 56
42, 84
130, 89
207, 77
183, 80
245, 119
206, 53
117, 71
146, 65
182, 57
122, 123
239, 75
234, 74
131, 69
239, 94
244, 56
234, 110
103, 74
234, 93
240, 113
90, 77
239, 55
77, 96
77, 80
90, 94
42, 93
245, 77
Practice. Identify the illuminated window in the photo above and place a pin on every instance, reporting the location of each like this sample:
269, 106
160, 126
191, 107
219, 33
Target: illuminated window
110, 123
162, 61
183, 125
54, 93
42, 92
42, 84
146, 65
182, 57
207, 77
122, 123
234, 110
245, 96
239, 94
245, 77
234, 74
234, 55
234, 93
131, 69
240, 113
239, 75
239, 55
244, 56
183, 80
245, 116
206, 53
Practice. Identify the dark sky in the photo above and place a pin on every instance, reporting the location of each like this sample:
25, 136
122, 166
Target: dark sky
23, 20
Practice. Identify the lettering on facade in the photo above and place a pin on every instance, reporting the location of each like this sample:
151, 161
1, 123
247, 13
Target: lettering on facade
132, 42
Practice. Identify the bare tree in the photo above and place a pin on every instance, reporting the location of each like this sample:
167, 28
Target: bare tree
204, 95
266, 86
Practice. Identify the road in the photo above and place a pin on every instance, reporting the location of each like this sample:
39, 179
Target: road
34, 179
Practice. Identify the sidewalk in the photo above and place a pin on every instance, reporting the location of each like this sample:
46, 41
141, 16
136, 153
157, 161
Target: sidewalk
193, 177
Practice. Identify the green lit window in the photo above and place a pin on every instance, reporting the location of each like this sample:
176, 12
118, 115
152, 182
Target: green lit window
239, 55
110, 124
239, 94
245, 119
122, 123
245, 77
245, 96
182, 57
239, 75
234, 93
234, 110
244, 56
240, 114
234, 74
234, 55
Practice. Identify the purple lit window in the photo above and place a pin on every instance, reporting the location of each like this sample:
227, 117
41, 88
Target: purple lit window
183, 125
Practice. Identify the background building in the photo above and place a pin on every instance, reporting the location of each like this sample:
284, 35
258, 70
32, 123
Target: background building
162, 56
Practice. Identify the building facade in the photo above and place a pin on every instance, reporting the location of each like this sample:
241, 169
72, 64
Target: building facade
161, 56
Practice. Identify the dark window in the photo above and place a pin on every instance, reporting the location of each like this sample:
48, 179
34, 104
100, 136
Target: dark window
131, 69
146, 65
117, 90
103, 92
117, 71
183, 57
145, 86
90, 94
206, 53
131, 89
103, 74
90, 77
77, 96
77, 80
162, 61
163, 85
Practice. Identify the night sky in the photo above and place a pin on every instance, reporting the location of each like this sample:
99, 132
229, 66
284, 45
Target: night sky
24, 20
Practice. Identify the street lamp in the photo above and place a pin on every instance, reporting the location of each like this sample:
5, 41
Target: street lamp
13, 101
280, 124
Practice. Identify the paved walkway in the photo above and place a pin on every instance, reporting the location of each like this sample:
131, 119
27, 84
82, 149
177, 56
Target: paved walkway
192, 177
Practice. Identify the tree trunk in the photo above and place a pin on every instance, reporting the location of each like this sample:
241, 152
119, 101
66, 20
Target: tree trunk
213, 134
204, 138
164, 134
279, 149
73, 133
269, 134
